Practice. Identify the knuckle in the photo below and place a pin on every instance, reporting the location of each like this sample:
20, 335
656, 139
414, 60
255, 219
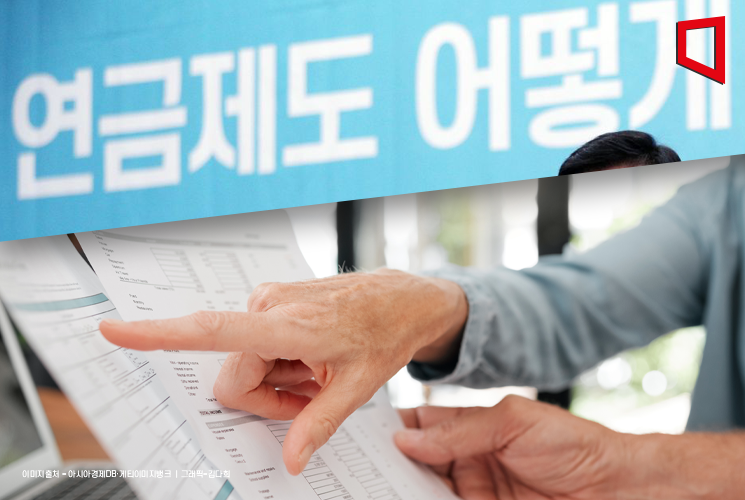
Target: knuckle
211, 322
223, 394
329, 424
447, 429
512, 403
262, 296
260, 288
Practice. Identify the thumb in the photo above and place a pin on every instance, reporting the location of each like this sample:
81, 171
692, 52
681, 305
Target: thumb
483, 431
318, 421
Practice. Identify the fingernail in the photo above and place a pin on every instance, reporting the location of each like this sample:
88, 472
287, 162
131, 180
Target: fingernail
304, 456
410, 436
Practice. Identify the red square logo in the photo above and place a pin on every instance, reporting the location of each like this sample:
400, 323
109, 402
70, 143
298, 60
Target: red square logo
717, 72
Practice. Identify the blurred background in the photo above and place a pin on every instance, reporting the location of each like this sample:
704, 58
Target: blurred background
513, 224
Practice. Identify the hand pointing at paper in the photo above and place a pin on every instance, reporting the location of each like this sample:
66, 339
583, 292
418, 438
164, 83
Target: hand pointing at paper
314, 350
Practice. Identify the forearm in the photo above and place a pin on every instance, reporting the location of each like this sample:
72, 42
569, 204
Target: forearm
539, 328
690, 466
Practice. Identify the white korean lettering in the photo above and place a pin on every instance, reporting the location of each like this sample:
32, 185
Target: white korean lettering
212, 141
243, 106
76, 119
575, 113
549, 128
470, 79
663, 13
165, 145
559, 25
328, 105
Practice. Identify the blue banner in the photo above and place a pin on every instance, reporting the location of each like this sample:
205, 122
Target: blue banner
122, 113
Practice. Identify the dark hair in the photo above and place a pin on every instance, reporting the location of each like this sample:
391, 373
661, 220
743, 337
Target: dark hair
628, 148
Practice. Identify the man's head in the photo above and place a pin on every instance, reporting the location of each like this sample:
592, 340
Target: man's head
628, 148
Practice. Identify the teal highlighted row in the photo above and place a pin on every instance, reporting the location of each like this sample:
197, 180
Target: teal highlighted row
62, 305
225, 491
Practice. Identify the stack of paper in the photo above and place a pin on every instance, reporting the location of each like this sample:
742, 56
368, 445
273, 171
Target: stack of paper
171, 270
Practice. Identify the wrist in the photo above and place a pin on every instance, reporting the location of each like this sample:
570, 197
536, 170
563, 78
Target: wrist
451, 311
634, 473
661, 466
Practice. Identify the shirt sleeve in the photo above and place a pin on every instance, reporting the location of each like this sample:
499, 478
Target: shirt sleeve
544, 326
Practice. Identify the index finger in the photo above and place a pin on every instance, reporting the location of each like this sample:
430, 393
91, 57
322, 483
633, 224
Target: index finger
209, 331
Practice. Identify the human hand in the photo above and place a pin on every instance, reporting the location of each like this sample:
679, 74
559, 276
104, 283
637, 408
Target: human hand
519, 449
314, 350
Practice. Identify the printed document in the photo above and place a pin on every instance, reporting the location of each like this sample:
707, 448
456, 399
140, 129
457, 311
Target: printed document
174, 269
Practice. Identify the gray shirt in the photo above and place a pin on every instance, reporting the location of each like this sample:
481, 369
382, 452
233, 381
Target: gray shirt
682, 266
